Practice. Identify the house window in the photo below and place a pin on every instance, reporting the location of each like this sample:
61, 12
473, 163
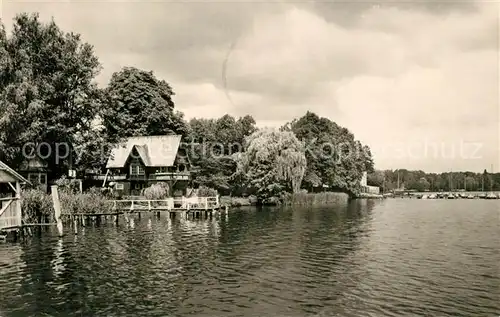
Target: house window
119, 186
162, 169
43, 179
136, 169
33, 178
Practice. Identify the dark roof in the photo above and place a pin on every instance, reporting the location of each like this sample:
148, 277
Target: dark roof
16, 175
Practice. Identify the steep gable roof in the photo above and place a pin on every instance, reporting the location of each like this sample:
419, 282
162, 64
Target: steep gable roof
155, 151
143, 153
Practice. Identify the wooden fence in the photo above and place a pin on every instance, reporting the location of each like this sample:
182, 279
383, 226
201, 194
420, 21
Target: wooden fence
10, 216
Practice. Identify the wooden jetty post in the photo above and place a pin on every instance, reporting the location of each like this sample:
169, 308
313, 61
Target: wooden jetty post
192, 207
57, 209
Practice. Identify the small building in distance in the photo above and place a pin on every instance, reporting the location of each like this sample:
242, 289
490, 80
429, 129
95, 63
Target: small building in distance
146, 160
35, 170
368, 189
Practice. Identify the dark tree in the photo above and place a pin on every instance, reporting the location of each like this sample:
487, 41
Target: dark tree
140, 104
47, 89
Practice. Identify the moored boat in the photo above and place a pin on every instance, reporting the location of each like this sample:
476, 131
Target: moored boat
491, 196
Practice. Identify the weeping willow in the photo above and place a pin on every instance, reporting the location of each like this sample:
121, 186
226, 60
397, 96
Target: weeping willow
279, 153
291, 166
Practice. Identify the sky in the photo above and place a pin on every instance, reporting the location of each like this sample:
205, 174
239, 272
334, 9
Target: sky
416, 81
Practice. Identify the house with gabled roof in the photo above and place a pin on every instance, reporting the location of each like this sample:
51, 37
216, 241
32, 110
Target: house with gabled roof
36, 171
142, 161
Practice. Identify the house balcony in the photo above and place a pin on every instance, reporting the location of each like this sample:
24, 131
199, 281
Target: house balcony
110, 178
151, 177
170, 176
137, 177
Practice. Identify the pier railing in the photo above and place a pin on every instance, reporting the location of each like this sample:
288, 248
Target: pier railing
172, 203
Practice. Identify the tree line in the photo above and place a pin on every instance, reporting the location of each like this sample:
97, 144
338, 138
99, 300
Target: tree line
49, 95
421, 181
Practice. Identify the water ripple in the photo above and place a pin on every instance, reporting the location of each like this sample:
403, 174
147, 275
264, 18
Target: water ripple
390, 258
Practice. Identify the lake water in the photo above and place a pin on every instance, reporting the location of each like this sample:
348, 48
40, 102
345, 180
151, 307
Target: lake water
394, 257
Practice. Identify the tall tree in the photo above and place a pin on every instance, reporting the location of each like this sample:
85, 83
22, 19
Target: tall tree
213, 141
140, 104
47, 89
333, 154
274, 162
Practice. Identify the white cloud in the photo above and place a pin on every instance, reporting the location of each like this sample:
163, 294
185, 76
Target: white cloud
397, 76
419, 78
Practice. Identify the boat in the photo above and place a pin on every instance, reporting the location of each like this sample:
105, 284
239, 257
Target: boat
491, 196
450, 196
425, 196
470, 196
482, 196
432, 196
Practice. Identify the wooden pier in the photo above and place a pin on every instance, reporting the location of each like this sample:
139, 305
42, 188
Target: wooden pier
188, 207
170, 204
196, 206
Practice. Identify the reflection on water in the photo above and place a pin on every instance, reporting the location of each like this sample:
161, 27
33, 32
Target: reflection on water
368, 258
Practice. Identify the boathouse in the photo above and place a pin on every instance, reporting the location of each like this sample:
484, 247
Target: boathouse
10, 189
139, 162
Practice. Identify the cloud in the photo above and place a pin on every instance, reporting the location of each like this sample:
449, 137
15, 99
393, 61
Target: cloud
394, 74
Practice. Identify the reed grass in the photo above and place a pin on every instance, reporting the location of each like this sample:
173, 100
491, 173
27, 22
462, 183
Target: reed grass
37, 206
316, 199
238, 201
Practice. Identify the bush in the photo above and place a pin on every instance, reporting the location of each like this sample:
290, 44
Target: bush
71, 185
156, 191
238, 201
207, 192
